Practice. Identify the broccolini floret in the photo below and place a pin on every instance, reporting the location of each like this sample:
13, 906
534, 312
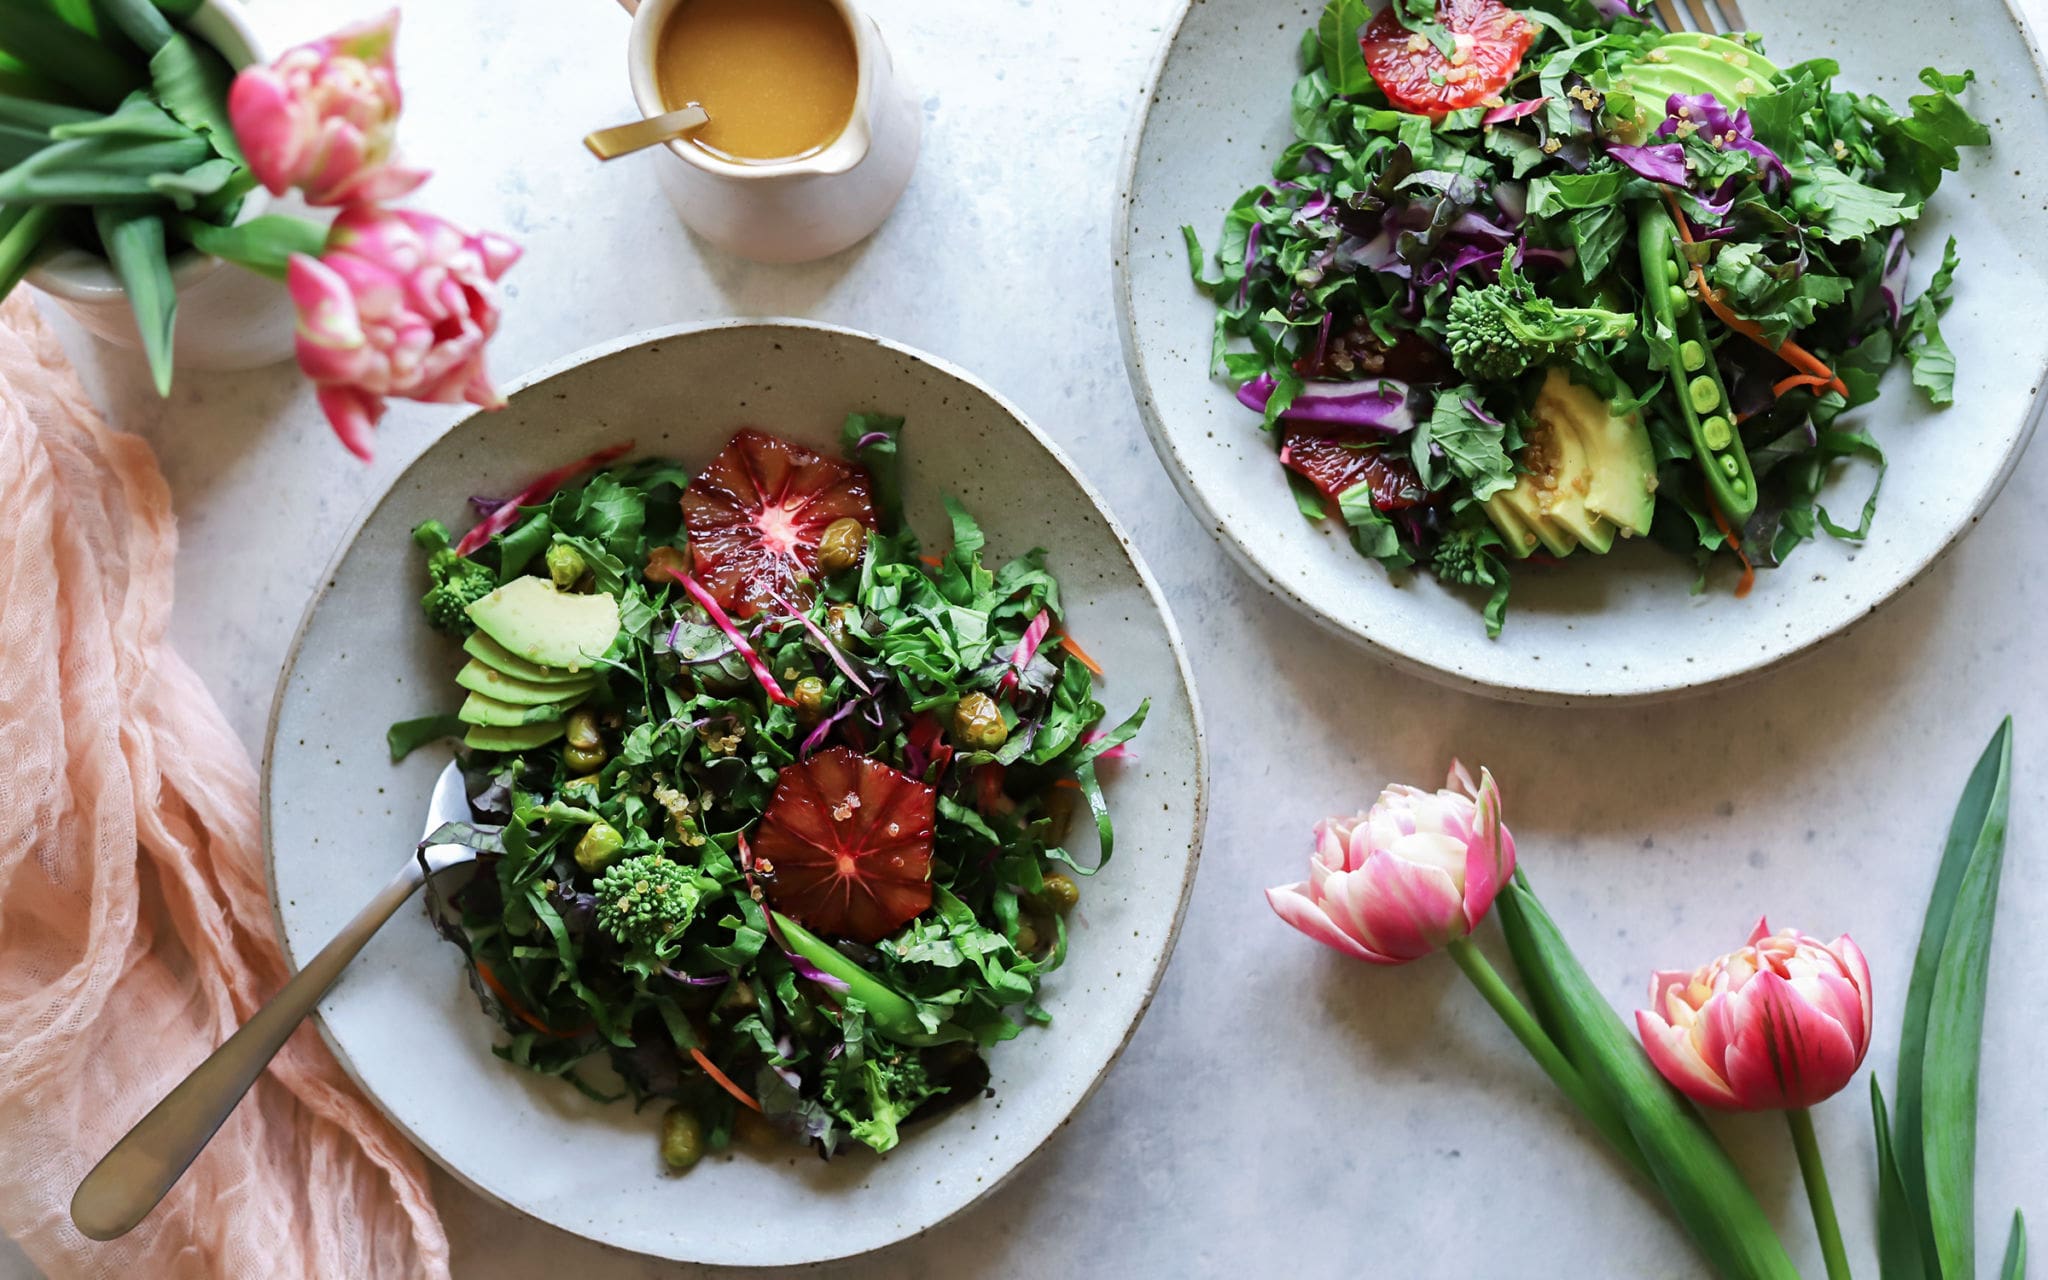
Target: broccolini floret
1468, 555
457, 581
1496, 331
646, 901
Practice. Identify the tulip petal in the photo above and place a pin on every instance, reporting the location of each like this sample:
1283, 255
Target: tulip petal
1671, 1051
1399, 908
1291, 903
352, 414
1786, 1053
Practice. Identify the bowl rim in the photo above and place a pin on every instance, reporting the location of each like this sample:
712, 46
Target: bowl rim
665, 333
1233, 541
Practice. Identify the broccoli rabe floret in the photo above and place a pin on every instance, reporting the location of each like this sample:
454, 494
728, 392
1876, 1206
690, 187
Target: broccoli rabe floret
457, 581
646, 901
1469, 556
875, 1095
1496, 331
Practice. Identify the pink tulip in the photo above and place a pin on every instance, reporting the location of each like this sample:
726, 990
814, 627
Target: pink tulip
1415, 873
398, 304
324, 117
1781, 1024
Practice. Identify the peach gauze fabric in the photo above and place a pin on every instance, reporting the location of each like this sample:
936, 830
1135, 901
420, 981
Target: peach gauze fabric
135, 934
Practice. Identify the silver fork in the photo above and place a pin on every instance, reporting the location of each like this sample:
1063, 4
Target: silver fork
1713, 17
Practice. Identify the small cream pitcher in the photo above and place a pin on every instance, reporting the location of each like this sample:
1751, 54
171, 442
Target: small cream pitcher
798, 209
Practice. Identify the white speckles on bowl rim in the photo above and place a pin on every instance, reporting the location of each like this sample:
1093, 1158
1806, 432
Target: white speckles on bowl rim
338, 816
1625, 627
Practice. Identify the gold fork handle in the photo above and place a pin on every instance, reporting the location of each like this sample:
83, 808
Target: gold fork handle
134, 1177
609, 144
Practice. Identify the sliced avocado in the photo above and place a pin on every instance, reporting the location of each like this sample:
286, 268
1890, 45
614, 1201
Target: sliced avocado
480, 710
1521, 542
1523, 502
1557, 442
498, 658
478, 678
1619, 468
1687, 62
537, 621
522, 737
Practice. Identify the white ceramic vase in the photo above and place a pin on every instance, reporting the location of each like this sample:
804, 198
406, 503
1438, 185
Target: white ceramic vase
228, 318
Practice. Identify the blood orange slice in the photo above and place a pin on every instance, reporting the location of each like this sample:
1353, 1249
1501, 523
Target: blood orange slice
1488, 41
847, 843
1334, 463
755, 516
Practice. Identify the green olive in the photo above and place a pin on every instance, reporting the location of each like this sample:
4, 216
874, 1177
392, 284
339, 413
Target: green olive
584, 759
740, 995
565, 565
810, 696
1027, 938
978, 723
682, 1138
599, 847
583, 730
841, 546
1060, 893
841, 621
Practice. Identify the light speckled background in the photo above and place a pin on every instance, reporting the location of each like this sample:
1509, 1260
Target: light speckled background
1281, 1111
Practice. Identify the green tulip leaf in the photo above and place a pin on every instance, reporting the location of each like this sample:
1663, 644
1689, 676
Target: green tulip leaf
33, 113
138, 119
135, 244
100, 170
1953, 1016
18, 144
192, 81
24, 230
54, 49
178, 10
139, 20
2015, 1267
187, 189
264, 245
1698, 1179
1898, 1236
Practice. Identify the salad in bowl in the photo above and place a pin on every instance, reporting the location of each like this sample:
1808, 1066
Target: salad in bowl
1532, 281
771, 803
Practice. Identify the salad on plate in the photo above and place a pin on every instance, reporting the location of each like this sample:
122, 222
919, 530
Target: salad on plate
772, 807
1533, 281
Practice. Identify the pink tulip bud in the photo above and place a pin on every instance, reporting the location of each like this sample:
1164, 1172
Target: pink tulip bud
1397, 883
1782, 1023
398, 304
324, 117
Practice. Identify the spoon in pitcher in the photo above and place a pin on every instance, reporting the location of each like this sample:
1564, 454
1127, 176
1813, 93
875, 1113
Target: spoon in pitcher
624, 139
134, 1177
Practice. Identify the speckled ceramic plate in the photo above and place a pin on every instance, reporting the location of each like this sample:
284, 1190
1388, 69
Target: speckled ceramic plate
340, 816
1625, 626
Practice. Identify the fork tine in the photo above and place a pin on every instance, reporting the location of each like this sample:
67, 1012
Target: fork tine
1703, 16
1733, 12
1667, 12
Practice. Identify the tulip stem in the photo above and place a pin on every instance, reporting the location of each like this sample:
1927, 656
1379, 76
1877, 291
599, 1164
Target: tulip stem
1590, 1102
1800, 1121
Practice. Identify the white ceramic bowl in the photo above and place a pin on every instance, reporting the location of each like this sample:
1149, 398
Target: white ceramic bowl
1209, 124
228, 318
339, 817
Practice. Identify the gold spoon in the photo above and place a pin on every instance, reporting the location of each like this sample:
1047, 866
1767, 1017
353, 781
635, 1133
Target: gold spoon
610, 144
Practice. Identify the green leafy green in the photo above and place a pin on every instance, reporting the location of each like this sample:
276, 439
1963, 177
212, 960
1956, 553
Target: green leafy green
1337, 33
136, 246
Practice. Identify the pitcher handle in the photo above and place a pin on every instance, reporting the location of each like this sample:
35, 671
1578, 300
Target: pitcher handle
630, 6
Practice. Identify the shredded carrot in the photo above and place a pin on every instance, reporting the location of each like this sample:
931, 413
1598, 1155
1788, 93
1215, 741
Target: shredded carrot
1783, 385
1080, 655
933, 561
1748, 579
1067, 782
519, 1010
1788, 351
722, 1080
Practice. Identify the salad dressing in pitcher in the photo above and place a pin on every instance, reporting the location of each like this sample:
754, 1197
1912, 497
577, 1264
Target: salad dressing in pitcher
779, 77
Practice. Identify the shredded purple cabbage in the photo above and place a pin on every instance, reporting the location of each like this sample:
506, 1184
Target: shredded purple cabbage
1513, 110
712, 980
1379, 403
1727, 131
816, 737
871, 438
1891, 285
1661, 162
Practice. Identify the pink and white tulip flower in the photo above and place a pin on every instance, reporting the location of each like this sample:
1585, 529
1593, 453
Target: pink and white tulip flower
398, 304
1781, 1024
323, 118
1418, 871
